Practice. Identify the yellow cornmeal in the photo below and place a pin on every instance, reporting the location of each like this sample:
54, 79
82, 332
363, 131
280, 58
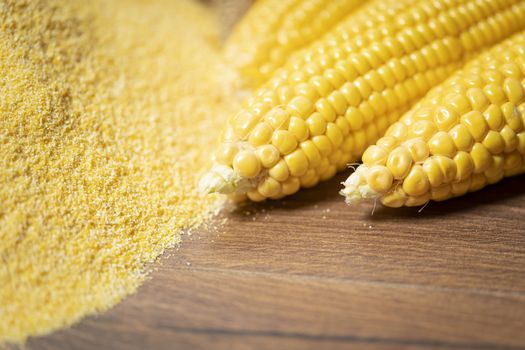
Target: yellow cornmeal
108, 110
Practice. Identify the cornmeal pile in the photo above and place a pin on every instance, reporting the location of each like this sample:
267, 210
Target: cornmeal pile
107, 111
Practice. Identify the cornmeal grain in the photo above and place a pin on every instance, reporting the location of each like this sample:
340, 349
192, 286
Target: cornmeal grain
107, 112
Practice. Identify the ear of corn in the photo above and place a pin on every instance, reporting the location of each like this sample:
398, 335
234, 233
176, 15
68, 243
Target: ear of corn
321, 112
467, 133
273, 29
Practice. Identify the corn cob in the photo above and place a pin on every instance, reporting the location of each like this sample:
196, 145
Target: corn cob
465, 134
306, 124
273, 29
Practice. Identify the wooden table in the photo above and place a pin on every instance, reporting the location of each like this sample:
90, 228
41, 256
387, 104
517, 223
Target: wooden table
309, 272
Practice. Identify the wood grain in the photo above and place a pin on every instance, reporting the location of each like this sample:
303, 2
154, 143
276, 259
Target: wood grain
309, 272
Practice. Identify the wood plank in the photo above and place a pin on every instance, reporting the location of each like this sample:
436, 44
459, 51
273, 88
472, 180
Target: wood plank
310, 273
233, 304
476, 241
220, 340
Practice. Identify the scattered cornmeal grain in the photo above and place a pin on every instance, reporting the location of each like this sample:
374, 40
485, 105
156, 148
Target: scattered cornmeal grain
107, 113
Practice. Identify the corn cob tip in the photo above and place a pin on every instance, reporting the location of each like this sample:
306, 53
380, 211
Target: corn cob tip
220, 179
356, 187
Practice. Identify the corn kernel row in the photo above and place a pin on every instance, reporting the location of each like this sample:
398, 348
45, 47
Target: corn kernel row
467, 133
398, 32
297, 131
273, 29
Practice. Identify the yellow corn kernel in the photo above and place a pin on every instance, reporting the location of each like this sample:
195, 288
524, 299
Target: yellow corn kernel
401, 94
382, 123
359, 63
246, 164
345, 161
447, 167
513, 160
323, 87
280, 171
255, 196
343, 126
322, 168
269, 187
390, 99
510, 138
300, 106
521, 142
365, 90
261, 134
316, 124
375, 155
397, 130
338, 102
416, 201
347, 70
330, 172
477, 182
387, 143
225, 153
306, 90
511, 70
445, 118
394, 199
284, 141
495, 94
311, 152
334, 77
495, 172
380, 178
475, 123
242, 123
378, 104
433, 170
290, 186
418, 149
367, 112
458, 102
464, 165
297, 162
477, 98
268, 155
277, 118
354, 118
494, 117
512, 116
335, 157
351, 94
260, 108
416, 182
371, 133
441, 192
323, 144
399, 162
493, 76
423, 129
442, 144
298, 128
494, 142
462, 137
514, 91
481, 157
309, 179
334, 134
327, 111
460, 188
